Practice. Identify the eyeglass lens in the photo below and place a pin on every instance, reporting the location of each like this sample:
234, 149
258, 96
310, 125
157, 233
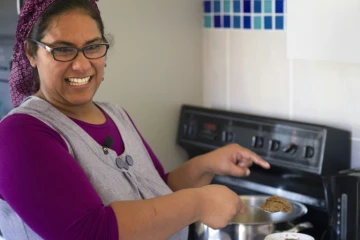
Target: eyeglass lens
69, 53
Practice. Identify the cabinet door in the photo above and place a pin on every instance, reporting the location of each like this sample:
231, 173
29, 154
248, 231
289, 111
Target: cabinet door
8, 17
323, 30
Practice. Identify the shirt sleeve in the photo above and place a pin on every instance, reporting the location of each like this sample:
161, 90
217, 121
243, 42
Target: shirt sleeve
153, 157
46, 186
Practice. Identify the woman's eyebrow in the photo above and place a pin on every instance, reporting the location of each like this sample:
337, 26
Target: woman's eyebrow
63, 43
93, 40
60, 42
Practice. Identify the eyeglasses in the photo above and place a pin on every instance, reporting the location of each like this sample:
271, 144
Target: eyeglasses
67, 54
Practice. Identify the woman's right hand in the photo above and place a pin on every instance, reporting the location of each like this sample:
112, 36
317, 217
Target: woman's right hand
219, 205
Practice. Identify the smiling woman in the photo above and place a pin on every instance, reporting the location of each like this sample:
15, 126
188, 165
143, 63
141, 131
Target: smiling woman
59, 58
67, 181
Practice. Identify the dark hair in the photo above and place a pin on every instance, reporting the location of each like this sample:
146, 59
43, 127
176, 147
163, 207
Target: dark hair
57, 8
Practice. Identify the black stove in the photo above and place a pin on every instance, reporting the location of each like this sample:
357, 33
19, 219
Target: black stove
300, 154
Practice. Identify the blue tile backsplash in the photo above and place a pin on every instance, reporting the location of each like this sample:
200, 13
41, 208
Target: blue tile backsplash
245, 14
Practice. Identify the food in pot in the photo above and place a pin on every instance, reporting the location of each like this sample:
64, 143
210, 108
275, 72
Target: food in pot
276, 204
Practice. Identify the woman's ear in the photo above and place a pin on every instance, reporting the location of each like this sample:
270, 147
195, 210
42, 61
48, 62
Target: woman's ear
29, 54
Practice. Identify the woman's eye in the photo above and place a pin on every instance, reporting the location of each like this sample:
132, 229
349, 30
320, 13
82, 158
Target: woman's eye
64, 50
93, 48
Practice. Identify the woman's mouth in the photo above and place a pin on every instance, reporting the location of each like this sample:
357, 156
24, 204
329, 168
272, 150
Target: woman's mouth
78, 81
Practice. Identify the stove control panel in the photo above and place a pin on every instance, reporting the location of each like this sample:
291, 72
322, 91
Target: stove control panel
283, 143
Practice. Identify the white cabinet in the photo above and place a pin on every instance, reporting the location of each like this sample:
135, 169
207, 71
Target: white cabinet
323, 30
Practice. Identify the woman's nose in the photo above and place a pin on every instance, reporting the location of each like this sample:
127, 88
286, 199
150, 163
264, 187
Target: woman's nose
81, 63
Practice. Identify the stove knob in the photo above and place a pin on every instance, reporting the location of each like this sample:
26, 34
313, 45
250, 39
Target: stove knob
291, 149
274, 145
257, 142
308, 152
230, 137
191, 130
185, 128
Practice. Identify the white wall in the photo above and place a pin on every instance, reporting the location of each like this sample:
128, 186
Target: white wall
255, 76
246, 70
328, 92
154, 66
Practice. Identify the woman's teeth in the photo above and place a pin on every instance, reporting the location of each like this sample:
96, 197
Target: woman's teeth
78, 81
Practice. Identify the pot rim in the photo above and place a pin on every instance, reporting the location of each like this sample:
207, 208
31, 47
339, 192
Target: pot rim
285, 235
299, 210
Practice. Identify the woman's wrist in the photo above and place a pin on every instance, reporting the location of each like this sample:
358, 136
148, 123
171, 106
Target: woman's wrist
196, 172
198, 197
204, 167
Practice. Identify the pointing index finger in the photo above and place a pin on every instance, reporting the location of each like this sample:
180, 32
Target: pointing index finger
248, 154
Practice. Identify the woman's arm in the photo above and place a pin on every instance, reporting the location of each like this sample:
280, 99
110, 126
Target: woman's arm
49, 190
232, 160
45, 185
159, 218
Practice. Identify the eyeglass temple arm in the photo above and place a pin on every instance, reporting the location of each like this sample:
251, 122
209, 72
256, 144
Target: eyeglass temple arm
42, 45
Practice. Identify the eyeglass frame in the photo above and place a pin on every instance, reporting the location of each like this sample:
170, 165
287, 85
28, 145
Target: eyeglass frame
51, 50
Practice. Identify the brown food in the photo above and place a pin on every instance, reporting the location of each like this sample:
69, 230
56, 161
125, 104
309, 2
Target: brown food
276, 204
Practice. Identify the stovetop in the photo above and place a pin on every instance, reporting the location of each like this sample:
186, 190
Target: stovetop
300, 155
307, 189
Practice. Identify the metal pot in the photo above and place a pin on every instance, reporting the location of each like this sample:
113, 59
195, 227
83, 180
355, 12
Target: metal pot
254, 225
286, 235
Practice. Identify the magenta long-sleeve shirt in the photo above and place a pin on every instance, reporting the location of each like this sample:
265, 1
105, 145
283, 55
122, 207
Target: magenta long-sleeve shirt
45, 185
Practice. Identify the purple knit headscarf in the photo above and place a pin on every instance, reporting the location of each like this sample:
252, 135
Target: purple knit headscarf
22, 81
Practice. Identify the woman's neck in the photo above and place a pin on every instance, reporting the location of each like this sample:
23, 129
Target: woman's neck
87, 112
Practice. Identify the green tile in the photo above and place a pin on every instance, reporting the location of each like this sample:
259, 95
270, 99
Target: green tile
268, 6
227, 6
207, 21
257, 22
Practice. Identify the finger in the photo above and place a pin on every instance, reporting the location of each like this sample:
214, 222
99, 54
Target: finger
245, 153
239, 205
244, 163
243, 208
239, 171
261, 162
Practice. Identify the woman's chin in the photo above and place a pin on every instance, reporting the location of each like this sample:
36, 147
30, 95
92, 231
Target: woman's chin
76, 101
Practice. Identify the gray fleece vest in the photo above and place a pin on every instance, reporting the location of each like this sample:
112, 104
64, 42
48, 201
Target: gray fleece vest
130, 176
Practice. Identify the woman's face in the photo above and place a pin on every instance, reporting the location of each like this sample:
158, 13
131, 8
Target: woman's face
69, 83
